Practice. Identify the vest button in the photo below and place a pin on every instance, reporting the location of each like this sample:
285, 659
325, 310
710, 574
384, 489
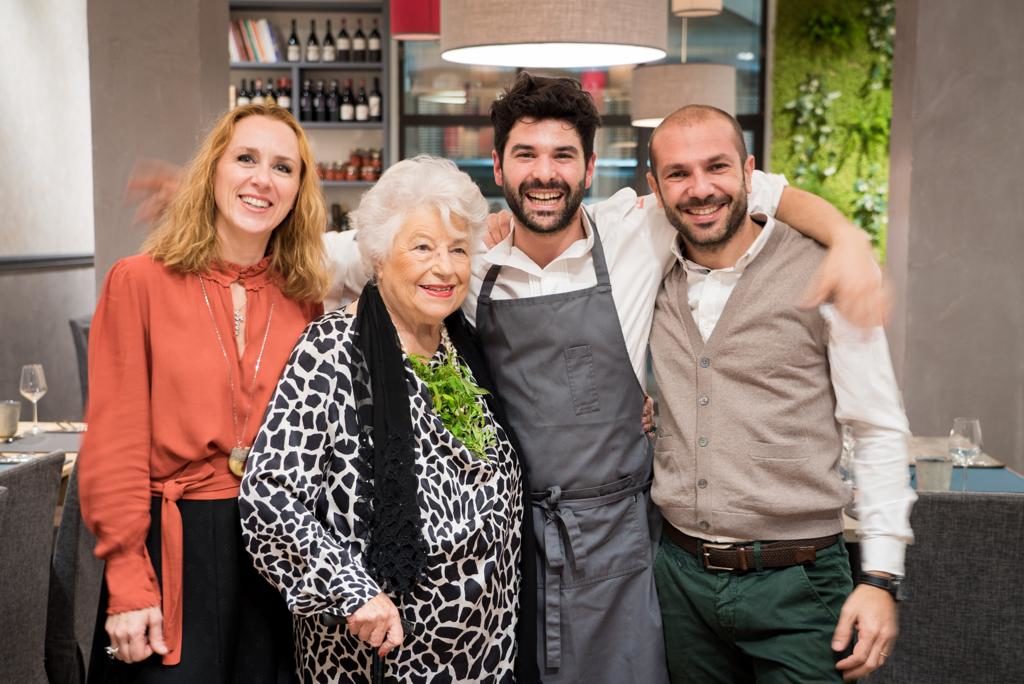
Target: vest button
702, 483
704, 401
705, 362
703, 441
704, 525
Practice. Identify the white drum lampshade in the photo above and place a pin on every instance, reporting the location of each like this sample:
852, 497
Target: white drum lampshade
696, 8
660, 89
570, 33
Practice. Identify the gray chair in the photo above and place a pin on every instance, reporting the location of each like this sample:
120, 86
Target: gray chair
76, 576
963, 618
26, 540
3, 505
80, 336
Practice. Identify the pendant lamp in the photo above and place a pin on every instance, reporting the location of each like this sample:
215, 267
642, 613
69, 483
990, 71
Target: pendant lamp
415, 19
696, 8
541, 33
660, 89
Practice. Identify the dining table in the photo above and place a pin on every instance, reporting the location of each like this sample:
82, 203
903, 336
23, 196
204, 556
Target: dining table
63, 436
986, 473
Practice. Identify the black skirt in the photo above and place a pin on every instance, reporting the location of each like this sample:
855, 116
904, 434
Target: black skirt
235, 627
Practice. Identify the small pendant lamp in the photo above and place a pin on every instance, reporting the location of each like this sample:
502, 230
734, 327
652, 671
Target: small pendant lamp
415, 19
696, 8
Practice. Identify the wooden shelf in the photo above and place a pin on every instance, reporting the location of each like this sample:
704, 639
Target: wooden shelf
309, 5
342, 125
346, 184
310, 66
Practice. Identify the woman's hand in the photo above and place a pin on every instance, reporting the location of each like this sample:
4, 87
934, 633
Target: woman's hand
378, 624
136, 634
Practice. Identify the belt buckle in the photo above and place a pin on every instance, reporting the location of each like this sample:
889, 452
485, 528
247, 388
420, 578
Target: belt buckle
706, 555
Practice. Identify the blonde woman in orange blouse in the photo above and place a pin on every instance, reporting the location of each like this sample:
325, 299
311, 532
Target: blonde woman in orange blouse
187, 343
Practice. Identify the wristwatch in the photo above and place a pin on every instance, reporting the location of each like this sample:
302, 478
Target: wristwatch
893, 585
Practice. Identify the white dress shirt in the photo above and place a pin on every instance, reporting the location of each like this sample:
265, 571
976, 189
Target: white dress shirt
867, 399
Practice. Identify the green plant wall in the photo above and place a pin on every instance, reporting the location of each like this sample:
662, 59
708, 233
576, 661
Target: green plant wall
832, 105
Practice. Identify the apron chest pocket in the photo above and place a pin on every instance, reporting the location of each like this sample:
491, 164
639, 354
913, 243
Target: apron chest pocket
579, 362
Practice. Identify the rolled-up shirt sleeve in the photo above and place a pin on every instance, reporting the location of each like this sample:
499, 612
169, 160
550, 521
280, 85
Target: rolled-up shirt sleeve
868, 400
346, 267
298, 496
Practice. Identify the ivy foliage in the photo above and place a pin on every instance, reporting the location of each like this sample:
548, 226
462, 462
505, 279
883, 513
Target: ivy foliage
833, 106
455, 398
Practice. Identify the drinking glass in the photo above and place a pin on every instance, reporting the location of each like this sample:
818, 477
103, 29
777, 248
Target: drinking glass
965, 444
33, 387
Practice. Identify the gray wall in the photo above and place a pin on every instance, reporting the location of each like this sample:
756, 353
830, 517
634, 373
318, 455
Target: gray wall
45, 192
955, 240
159, 75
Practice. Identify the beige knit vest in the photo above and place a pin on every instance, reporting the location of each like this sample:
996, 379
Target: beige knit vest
748, 445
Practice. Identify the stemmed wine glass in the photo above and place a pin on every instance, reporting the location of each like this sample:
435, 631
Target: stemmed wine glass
33, 387
965, 444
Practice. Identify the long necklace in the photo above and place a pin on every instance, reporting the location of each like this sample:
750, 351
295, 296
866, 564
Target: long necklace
239, 454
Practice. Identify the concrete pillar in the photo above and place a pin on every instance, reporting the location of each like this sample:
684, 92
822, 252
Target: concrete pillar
159, 78
955, 241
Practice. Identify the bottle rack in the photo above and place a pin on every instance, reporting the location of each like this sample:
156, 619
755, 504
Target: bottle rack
280, 13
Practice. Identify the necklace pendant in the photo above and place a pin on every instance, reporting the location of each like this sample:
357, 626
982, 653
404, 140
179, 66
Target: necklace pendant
236, 461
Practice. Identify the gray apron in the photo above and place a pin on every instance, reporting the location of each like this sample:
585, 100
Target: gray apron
562, 370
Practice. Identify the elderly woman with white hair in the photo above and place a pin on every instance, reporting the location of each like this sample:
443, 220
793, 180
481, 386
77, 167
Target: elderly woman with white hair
382, 497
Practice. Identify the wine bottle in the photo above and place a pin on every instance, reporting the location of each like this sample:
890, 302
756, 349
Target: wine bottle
375, 101
243, 95
257, 92
319, 102
362, 103
294, 52
336, 217
359, 43
333, 102
343, 46
373, 44
306, 102
312, 44
284, 93
328, 53
348, 105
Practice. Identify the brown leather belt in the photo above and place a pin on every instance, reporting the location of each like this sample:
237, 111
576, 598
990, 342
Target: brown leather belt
741, 557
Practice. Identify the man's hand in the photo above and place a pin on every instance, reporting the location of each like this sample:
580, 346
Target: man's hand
498, 227
377, 623
647, 417
850, 278
872, 612
136, 634
151, 185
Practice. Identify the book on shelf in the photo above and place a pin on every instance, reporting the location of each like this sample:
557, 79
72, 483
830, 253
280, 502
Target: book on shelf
253, 40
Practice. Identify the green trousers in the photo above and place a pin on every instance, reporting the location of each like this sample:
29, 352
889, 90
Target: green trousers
767, 626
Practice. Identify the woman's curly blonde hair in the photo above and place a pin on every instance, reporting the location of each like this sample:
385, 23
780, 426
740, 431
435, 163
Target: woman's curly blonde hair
186, 238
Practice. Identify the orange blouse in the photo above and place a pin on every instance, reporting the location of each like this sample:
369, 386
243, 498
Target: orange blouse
160, 411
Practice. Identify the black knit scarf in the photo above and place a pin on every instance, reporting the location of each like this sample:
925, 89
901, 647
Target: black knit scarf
397, 551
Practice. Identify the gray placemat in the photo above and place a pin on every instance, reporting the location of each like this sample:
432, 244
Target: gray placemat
43, 443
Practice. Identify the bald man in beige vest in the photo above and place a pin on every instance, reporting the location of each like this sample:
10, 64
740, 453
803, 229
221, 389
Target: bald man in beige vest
752, 574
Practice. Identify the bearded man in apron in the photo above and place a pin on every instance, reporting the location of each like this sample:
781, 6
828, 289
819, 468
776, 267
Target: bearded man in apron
562, 369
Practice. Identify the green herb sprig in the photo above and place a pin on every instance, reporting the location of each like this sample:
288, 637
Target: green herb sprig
454, 395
